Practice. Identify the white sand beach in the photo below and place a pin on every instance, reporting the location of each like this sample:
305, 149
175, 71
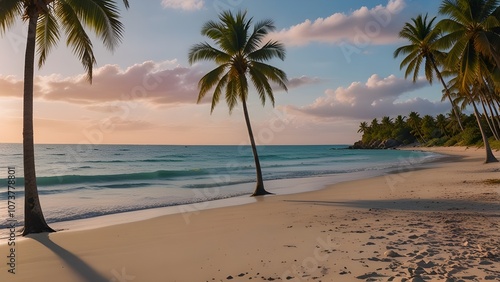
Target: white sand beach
437, 222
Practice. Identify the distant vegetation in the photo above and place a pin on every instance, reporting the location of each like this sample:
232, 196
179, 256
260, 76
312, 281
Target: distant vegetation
440, 130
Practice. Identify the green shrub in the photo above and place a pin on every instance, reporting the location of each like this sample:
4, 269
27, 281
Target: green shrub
470, 136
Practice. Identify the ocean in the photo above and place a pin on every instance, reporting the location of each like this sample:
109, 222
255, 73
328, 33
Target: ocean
85, 181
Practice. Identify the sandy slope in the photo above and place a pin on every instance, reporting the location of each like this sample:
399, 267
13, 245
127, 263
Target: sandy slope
435, 223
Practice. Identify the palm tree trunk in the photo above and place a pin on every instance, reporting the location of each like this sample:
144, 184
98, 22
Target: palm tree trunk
454, 107
259, 189
488, 119
490, 158
34, 221
494, 112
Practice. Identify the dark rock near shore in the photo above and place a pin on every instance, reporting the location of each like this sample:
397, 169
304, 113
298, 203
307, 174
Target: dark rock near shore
377, 144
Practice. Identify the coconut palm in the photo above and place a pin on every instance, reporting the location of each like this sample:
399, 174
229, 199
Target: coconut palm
386, 121
441, 124
45, 20
400, 121
363, 127
374, 124
241, 55
424, 48
415, 122
472, 34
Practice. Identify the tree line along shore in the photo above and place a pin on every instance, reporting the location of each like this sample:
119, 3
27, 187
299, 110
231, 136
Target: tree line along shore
427, 130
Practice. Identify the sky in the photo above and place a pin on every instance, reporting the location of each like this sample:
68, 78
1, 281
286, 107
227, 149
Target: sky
339, 62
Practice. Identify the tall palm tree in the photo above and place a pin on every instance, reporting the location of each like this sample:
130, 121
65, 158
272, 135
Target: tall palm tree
472, 35
424, 48
45, 19
242, 55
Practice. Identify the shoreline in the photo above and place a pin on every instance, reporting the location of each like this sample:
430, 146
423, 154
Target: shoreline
331, 233
281, 187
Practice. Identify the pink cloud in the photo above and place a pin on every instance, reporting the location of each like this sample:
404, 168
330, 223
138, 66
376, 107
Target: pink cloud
379, 25
376, 97
153, 83
149, 82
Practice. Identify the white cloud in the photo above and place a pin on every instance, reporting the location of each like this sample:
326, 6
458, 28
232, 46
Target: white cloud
376, 97
188, 5
379, 25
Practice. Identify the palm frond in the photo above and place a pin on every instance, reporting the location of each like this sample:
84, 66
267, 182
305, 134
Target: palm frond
10, 10
205, 52
410, 33
482, 44
262, 85
429, 71
411, 63
272, 73
468, 67
403, 50
261, 29
218, 91
213, 30
47, 36
269, 51
458, 10
242, 87
209, 80
103, 17
231, 92
234, 32
125, 2
488, 8
77, 38
455, 53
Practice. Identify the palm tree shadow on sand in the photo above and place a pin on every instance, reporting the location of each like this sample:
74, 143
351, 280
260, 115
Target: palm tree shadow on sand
76, 264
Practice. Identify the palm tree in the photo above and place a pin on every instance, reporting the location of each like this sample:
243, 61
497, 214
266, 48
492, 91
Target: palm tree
441, 123
374, 124
414, 122
400, 121
472, 36
424, 48
363, 127
241, 54
452, 125
45, 19
386, 121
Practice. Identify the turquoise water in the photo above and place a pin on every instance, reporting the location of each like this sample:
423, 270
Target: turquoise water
82, 181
